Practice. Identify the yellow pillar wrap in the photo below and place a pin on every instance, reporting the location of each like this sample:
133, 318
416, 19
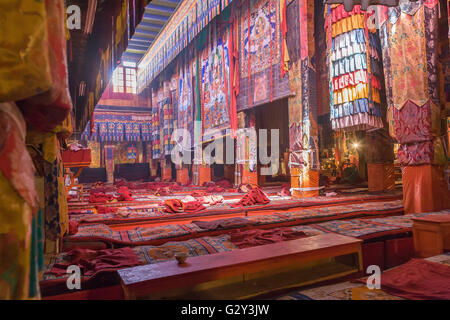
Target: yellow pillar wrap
15, 235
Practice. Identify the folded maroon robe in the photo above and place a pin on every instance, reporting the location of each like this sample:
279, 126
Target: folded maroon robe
215, 189
253, 238
193, 206
223, 223
254, 196
73, 227
177, 206
124, 194
417, 279
199, 193
105, 210
100, 198
92, 261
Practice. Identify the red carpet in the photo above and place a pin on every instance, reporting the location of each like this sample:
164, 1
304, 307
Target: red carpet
418, 279
258, 237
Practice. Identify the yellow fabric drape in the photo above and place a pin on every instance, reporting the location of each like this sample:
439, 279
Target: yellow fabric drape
24, 59
15, 233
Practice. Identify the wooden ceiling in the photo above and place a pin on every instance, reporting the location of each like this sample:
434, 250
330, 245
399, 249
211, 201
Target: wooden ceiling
157, 14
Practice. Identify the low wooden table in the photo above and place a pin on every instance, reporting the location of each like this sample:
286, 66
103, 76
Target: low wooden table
244, 273
431, 235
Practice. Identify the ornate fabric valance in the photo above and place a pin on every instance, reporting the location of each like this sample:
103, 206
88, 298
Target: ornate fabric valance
349, 4
117, 127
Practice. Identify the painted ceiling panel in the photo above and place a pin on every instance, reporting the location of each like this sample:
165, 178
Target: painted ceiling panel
156, 15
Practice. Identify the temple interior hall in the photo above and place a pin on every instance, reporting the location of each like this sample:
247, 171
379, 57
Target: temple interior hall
224, 150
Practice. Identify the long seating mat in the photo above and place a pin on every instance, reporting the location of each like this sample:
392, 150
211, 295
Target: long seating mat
148, 213
145, 197
361, 228
149, 196
163, 233
288, 201
352, 290
149, 199
56, 284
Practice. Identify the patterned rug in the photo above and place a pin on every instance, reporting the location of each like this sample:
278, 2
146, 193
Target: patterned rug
333, 212
405, 220
135, 237
152, 212
151, 235
153, 254
359, 228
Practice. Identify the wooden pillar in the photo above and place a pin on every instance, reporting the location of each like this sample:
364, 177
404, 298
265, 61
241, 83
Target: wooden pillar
378, 148
204, 174
246, 149
109, 162
166, 170
303, 129
183, 176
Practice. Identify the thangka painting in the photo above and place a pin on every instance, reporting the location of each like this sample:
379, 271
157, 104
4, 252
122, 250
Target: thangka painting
215, 83
260, 54
263, 35
185, 119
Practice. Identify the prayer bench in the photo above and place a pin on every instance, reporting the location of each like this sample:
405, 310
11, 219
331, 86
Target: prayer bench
246, 273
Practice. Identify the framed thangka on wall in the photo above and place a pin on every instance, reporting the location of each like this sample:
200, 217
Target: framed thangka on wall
215, 75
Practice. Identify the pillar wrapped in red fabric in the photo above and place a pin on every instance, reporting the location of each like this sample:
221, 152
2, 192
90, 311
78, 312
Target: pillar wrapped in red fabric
424, 189
381, 176
79, 158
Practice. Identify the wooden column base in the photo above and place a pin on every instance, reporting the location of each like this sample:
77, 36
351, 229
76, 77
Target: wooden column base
424, 189
249, 177
183, 176
310, 184
153, 167
381, 176
166, 174
204, 174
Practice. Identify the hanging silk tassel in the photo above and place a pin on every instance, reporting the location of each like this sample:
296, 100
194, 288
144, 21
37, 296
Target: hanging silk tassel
284, 52
233, 63
271, 50
249, 56
227, 89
